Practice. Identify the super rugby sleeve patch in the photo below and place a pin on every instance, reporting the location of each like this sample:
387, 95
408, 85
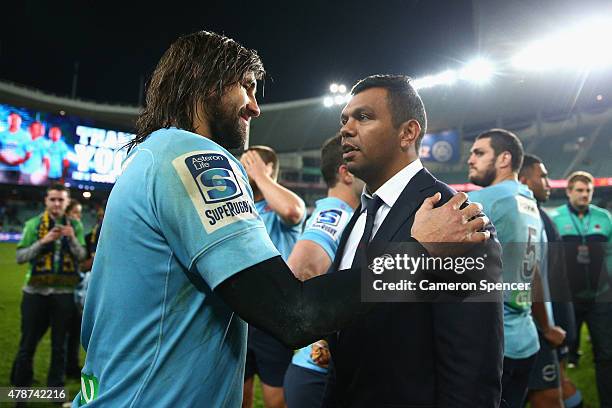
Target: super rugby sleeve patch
330, 222
215, 187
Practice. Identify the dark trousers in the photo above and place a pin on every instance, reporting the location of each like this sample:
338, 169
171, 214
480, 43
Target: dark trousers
73, 345
598, 318
38, 312
303, 387
515, 380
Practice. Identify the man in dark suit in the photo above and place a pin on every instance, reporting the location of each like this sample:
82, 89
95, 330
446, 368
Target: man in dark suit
410, 354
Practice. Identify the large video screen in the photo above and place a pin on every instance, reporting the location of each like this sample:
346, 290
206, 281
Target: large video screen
39, 148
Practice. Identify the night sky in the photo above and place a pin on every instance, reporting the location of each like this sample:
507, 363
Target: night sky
304, 45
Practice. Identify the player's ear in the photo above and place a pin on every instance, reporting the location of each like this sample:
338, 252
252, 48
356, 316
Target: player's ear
504, 159
344, 176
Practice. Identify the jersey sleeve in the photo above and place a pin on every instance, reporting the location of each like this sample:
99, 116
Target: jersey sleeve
325, 227
480, 196
205, 209
78, 231
28, 236
291, 227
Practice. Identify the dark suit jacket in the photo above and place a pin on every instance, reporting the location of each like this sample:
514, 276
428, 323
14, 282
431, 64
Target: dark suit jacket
419, 354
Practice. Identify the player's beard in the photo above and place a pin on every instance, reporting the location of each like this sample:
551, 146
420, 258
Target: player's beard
485, 179
227, 127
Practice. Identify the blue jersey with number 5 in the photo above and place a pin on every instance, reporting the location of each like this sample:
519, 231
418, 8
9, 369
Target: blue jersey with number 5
513, 210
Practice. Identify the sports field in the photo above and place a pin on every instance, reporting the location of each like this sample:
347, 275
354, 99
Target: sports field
11, 280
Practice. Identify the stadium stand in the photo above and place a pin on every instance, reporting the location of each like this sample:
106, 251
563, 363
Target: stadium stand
570, 127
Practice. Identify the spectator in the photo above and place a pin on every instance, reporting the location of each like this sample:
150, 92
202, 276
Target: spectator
53, 245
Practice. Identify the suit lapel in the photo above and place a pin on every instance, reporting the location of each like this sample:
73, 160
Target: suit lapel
406, 205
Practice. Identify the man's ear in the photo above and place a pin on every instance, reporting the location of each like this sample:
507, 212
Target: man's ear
504, 160
345, 176
409, 134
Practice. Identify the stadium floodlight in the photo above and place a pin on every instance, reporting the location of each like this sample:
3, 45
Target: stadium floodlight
86, 194
479, 70
338, 95
447, 77
580, 47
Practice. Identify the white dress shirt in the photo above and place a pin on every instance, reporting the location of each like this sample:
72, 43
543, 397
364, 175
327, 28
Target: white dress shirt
388, 193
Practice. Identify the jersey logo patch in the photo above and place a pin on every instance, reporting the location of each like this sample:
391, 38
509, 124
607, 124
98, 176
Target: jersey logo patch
527, 206
215, 188
329, 217
214, 177
330, 222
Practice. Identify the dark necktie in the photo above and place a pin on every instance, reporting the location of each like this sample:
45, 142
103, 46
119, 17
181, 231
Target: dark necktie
372, 206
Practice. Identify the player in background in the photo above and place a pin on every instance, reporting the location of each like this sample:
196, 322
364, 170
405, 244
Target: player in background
13, 152
312, 255
587, 233
58, 149
545, 385
282, 211
495, 160
35, 169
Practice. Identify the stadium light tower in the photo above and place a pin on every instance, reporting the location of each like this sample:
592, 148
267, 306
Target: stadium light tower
479, 70
338, 95
447, 77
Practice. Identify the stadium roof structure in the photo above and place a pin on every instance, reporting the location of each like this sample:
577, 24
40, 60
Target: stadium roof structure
511, 100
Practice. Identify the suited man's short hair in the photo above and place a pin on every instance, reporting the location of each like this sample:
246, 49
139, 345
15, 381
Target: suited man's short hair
403, 100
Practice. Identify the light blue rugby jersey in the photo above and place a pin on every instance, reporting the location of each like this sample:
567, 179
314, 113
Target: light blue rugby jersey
513, 210
57, 153
180, 220
324, 227
13, 144
39, 149
282, 235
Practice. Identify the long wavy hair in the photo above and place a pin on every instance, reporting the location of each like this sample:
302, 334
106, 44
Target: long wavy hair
196, 69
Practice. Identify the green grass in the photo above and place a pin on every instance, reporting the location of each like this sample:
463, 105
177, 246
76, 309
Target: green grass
11, 281
584, 375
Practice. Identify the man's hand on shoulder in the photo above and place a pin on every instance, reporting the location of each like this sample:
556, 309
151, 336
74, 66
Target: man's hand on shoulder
435, 228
